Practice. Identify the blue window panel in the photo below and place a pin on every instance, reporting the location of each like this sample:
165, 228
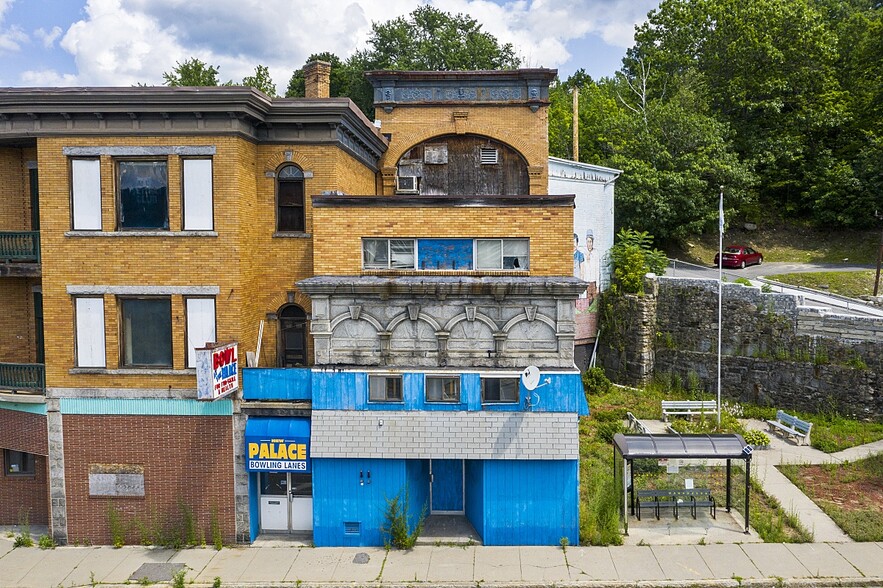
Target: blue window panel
344, 493
277, 383
530, 502
339, 390
444, 254
470, 391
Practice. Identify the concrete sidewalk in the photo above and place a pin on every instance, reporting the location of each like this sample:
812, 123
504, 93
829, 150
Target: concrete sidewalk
816, 564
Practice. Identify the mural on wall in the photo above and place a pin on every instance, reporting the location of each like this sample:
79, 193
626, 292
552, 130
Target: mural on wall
587, 267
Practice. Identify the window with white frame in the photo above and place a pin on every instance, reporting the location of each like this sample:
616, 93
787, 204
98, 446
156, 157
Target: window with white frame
200, 325
86, 194
442, 388
198, 196
89, 313
385, 388
146, 331
142, 194
388, 253
502, 254
499, 389
18, 463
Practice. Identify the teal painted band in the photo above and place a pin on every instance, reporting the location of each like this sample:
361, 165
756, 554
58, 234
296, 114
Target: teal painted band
24, 407
146, 406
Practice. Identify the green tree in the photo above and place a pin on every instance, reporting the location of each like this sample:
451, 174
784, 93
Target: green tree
193, 72
774, 71
261, 80
427, 39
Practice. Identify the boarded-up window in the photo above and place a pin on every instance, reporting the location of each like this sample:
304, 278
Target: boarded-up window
90, 332
86, 194
435, 154
200, 326
198, 213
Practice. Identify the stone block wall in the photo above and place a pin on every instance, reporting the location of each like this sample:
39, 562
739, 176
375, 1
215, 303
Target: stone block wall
775, 351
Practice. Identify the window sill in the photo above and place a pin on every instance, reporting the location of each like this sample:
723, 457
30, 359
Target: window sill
133, 371
141, 234
291, 235
23, 475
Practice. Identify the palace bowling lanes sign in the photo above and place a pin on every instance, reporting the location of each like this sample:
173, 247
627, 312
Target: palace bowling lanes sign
277, 455
217, 371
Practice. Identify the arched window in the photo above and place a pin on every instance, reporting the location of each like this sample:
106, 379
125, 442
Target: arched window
292, 336
290, 215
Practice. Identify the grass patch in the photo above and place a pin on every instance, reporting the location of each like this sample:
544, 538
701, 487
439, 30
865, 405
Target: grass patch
852, 284
792, 243
599, 515
850, 493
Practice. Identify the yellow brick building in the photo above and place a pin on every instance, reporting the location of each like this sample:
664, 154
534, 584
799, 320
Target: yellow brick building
139, 224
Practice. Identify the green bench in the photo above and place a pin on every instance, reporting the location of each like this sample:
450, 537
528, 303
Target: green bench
675, 498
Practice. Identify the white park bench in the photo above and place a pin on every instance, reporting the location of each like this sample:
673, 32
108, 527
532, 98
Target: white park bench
688, 408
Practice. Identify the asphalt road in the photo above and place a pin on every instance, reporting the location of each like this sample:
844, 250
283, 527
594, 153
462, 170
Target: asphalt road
682, 269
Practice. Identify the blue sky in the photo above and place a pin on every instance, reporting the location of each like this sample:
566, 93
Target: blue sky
125, 42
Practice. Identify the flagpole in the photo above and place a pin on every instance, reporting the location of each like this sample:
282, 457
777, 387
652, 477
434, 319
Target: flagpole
720, 289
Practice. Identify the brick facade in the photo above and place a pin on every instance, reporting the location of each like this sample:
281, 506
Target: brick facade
24, 499
23, 431
186, 461
339, 232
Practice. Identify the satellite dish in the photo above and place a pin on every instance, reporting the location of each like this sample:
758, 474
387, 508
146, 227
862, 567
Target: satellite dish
530, 377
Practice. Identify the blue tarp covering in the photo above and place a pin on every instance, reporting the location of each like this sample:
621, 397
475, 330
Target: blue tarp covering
273, 438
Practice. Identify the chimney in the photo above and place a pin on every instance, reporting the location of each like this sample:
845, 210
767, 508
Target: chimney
317, 79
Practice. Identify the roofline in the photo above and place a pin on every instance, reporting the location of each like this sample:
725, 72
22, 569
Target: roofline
588, 166
443, 201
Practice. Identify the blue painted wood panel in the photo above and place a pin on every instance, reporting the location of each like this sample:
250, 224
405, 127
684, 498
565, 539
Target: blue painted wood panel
277, 384
475, 495
447, 485
146, 406
335, 390
530, 502
341, 496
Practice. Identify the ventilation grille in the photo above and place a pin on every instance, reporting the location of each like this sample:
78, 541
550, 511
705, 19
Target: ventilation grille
352, 528
488, 156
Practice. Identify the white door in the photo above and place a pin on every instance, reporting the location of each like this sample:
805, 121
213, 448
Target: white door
286, 502
301, 496
274, 501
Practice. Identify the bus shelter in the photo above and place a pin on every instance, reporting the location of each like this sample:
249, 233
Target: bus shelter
627, 448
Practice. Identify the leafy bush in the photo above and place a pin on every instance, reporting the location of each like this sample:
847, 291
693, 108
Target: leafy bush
595, 381
742, 281
608, 429
397, 532
756, 438
46, 542
23, 540
633, 257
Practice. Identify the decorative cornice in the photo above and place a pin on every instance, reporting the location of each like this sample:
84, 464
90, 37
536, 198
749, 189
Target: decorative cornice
434, 286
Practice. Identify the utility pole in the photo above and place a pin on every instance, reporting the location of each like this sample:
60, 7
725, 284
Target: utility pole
576, 123
879, 217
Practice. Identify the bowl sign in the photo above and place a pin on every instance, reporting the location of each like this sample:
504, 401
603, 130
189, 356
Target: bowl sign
217, 371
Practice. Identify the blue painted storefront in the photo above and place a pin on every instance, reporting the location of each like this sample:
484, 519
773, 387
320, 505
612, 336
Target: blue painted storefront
508, 502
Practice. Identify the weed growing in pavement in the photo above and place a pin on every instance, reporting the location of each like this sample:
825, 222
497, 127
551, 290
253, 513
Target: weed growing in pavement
217, 582
178, 579
46, 542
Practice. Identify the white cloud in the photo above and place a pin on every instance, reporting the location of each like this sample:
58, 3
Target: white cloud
13, 37
47, 78
124, 42
48, 38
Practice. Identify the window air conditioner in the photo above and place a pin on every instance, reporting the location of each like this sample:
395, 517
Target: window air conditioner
406, 184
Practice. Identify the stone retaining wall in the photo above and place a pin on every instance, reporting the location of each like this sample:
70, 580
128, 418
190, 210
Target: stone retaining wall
775, 350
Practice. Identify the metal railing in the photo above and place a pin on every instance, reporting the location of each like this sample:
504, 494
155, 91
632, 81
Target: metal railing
23, 377
20, 246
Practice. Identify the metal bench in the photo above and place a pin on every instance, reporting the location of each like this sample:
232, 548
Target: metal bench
674, 498
787, 425
688, 408
636, 426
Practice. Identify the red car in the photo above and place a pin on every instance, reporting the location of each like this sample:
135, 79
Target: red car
739, 256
